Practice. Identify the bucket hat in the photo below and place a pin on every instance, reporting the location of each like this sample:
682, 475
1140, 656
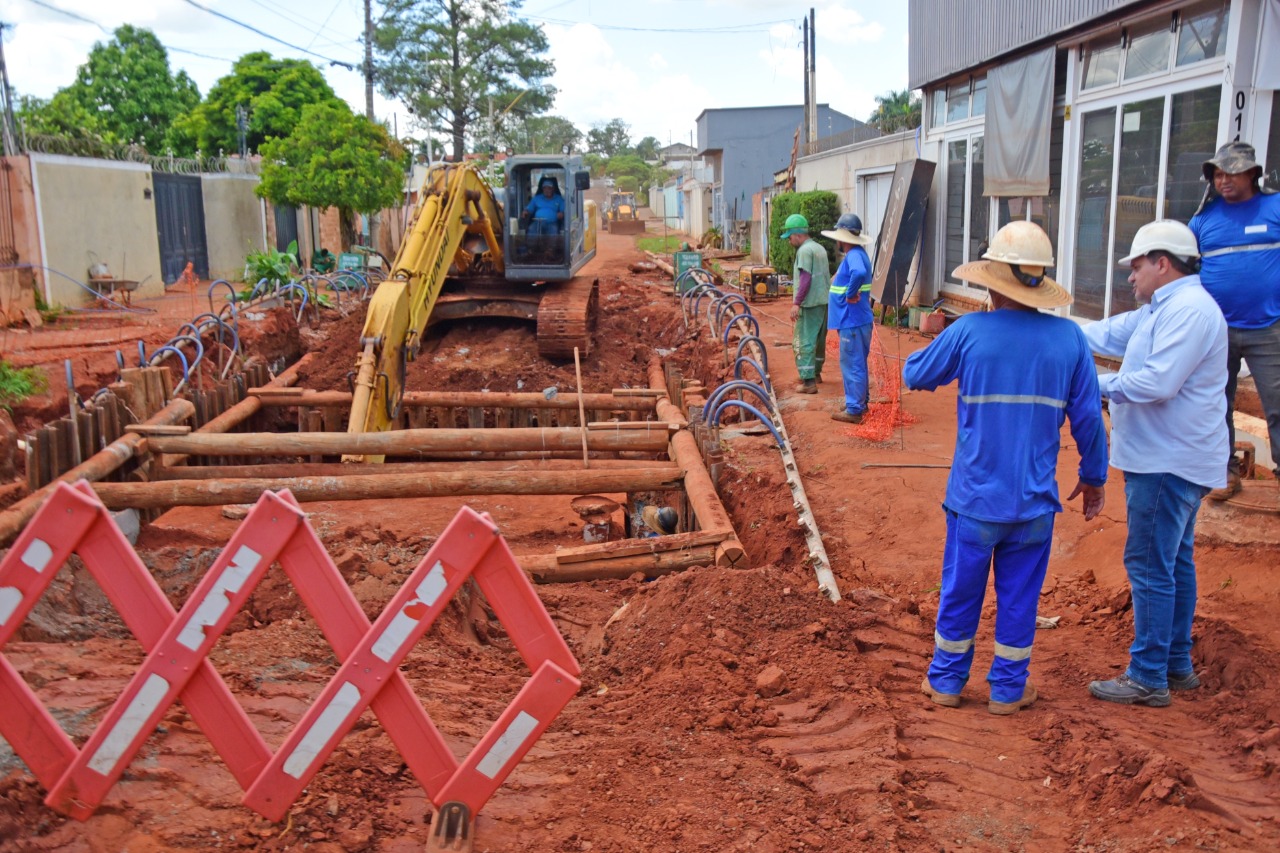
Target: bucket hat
1232, 158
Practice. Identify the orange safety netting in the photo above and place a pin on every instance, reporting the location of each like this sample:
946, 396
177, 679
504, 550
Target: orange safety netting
884, 385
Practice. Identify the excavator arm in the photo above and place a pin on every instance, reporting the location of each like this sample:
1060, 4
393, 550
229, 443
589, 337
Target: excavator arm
456, 227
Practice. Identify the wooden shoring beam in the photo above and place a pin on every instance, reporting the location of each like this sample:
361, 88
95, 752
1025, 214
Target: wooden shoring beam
544, 568
698, 485
346, 469
409, 442
271, 396
169, 493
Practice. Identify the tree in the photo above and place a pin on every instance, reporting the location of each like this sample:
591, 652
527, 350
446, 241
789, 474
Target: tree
271, 94
628, 165
896, 111
127, 88
447, 60
609, 138
539, 134
648, 148
333, 158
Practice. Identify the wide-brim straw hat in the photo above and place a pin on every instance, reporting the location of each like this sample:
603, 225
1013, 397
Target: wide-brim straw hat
998, 276
844, 235
649, 515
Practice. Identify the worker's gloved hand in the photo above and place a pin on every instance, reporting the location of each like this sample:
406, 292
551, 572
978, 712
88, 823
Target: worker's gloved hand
1095, 497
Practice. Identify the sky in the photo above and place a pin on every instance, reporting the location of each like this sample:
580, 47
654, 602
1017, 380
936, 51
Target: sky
656, 65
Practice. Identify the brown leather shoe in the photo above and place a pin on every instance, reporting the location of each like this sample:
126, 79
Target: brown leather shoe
847, 417
1029, 695
1231, 489
808, 386
946, 700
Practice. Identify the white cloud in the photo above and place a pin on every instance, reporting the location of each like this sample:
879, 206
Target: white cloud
846, 26
657, 62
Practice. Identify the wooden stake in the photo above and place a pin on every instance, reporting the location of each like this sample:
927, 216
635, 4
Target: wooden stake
582, 414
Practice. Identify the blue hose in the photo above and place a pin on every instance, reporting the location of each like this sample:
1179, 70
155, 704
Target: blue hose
718, 395
186, 371
746, 359
715, 417
764, 353
755, 327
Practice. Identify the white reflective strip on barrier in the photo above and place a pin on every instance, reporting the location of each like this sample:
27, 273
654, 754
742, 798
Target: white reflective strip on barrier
506, 745
216, 602
399, 628
37, 555
956, 647
1012, 652
10, 598
325, 725
118, 740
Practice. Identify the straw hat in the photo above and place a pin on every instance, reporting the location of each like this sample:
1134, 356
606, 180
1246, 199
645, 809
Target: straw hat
1014, 267
661, 520
848, 230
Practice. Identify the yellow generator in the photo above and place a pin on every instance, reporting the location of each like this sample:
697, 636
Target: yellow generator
759, 281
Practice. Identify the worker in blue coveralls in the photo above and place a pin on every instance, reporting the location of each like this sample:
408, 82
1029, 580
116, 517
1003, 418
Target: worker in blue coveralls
1020, 373
1169, 437
849, 313
545, 211
1238, 229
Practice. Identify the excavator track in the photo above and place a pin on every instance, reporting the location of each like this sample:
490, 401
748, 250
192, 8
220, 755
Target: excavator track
567, 318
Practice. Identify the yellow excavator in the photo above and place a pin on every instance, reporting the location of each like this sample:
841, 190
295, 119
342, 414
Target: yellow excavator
461, 258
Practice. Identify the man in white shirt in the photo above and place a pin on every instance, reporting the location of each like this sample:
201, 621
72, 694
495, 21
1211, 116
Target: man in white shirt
1168, 437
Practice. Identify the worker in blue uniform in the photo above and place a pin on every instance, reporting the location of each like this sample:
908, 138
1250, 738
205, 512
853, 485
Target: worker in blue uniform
1021, 373
545, 211
849, 313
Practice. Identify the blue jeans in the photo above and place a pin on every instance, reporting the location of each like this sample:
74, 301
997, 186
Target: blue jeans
1020, 553
855, 345
1260, 349
544, 228
1159, 557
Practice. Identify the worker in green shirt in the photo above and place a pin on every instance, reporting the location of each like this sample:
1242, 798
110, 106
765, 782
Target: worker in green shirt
811, 277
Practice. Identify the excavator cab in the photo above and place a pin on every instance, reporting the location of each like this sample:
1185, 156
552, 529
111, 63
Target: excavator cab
548, 236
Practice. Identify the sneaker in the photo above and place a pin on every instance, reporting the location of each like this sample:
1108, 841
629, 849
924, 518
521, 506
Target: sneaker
1185, 681
848, 417
1125, 691
808, 386
1029, 695
1231, 489
946, 700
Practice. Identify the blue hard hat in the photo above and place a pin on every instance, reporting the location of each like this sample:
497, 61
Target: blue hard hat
850, 222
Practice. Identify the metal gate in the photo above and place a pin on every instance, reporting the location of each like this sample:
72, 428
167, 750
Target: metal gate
180, 224
286, 226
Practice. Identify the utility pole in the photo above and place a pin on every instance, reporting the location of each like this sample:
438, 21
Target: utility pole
375, 218
804, 119
6, 102
812, 79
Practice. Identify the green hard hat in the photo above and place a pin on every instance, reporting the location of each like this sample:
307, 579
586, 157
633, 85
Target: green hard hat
795, 224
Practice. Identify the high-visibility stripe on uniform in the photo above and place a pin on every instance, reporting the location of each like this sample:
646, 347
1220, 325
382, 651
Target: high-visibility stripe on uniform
838, 291
1013, 652
956, 647
1015, 398
1252, 247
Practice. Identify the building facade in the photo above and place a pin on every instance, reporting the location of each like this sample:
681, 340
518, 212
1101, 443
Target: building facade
1089, 117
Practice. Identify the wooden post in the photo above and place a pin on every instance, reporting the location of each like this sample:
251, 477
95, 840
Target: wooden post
582, 415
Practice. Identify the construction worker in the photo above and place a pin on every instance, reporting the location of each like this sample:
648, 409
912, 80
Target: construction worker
1020, 373
849, 313
1168, 437
545, 211
811, 277
1238, 228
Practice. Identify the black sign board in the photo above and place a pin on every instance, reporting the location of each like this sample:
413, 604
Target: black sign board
900, 231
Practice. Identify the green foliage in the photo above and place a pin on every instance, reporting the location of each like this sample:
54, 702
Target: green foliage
271, 92
661, 245
628, 165
273, 265
627, 184
896, 111
538, 134
595, 163
123, 93
447, 58
820, 207
19, 383
610, 138
647, 148
333, 158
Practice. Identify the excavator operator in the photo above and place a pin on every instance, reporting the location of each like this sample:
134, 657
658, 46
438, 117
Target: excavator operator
545, 211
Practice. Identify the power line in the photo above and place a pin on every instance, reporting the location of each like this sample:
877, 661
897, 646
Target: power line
349, 66
104, 29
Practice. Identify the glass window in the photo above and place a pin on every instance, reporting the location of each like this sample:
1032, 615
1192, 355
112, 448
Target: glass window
980, 96
1093, 215
1202, 31
939, 108
979, 205
1148, 51
958, 101
1101, 59
1193, 132
1137, 183
953, 255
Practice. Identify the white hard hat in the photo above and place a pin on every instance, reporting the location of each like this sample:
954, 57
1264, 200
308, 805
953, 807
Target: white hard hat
1022, 243
1167, 234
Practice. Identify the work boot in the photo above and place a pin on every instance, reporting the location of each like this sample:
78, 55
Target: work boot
817, 377
946, 700
1185, 681
1231, 489
848, 417
1004, 709
1125, 691
808, 386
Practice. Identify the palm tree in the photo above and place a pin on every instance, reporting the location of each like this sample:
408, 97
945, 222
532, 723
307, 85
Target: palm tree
896, 111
